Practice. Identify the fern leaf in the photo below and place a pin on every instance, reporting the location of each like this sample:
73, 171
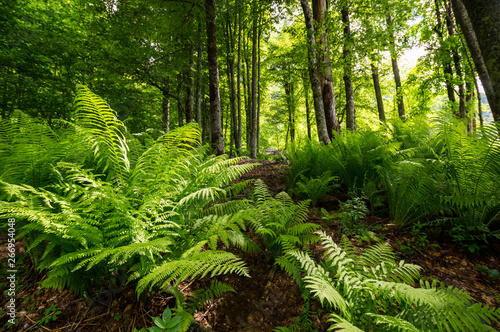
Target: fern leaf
341, 324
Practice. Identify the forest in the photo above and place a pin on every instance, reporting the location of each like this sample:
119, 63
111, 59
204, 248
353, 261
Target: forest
257, 165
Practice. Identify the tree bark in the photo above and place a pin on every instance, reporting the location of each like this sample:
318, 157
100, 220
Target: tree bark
239, 127
324, 70
190, 89
253, 125
258, 84
217, 139
395, 69
314, 77
480, 22
456, 60
200, 75
378, 93
448, 72
232, 88
180, 106
349, 91
166, 105
308, 111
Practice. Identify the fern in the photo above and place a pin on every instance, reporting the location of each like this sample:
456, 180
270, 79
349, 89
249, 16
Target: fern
279, 222
148, 214
106, 132
364, 286
202, 296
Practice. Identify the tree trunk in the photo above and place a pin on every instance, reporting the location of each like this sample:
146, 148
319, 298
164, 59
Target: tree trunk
314, 77
239, 128
395, 69
200, 75
258, 84
480, 23
166, 105
448, 72
324, 70
378, 93
217, 139
190, 89
456, 60
253, 124
180, 106
349, 91
290, 105
232, 88
308, 119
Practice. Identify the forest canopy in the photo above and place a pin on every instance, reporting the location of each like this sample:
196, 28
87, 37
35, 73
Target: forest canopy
253, 74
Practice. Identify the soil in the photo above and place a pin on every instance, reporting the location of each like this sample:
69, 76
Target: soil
269, 299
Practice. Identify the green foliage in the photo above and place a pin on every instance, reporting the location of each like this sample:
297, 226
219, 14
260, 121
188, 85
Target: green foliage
373, 291
200, 297
168, 322
279, 222
315, 188
49, 315
351, 213
444, 176
147, 215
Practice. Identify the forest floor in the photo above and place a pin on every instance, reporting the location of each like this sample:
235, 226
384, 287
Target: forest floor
270, 298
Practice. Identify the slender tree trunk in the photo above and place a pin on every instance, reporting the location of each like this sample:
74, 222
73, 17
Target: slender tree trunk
207, 132
448, 72
180, 106
320, 8
378, 93
200, 75
456, 60
253, 127
395, 69
239, 128
314, 77
166, 105
349, 91
213, 77
288, 85
248, 89
480, 23
232, 88
190, 89
258, 84
308, 111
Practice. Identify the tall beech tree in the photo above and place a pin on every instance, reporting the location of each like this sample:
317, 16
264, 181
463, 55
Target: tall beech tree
217, 139
395, 67
480, 22
320, 11
319, 109
347, 57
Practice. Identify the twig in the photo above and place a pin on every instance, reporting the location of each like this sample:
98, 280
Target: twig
133, 323
80, 319
43, 327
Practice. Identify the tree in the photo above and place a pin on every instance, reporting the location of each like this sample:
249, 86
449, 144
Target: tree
314, 76
320, 9
217, 139
349, 90
480, 22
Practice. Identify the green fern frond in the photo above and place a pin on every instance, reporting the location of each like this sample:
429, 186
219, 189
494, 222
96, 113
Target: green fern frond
106, 131
341, 324
199, 264
201, 296
393, 322
324, 290
260, 193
